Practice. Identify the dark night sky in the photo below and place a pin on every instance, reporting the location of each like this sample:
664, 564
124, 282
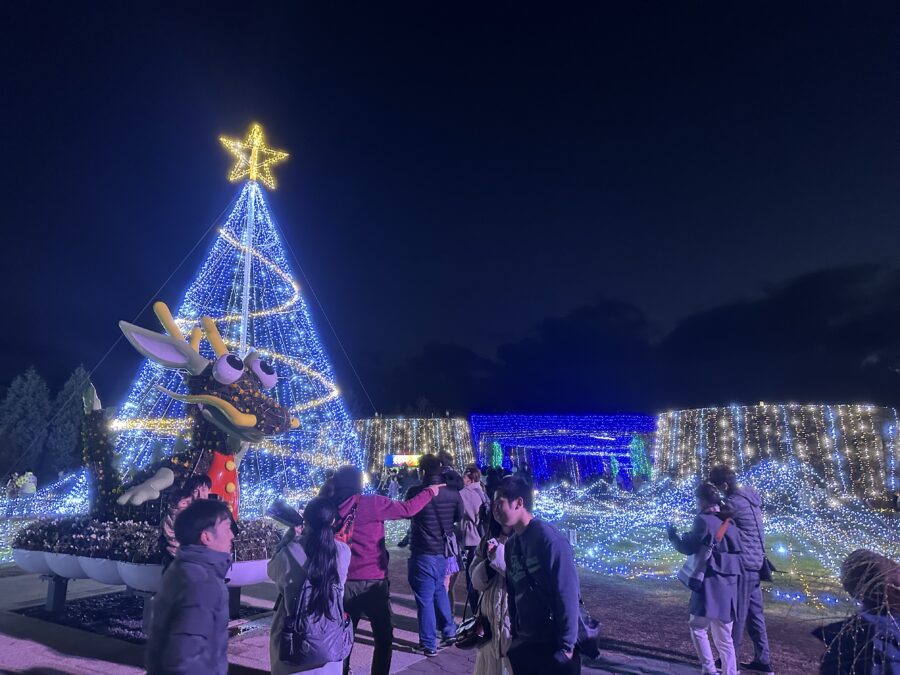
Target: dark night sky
665, 204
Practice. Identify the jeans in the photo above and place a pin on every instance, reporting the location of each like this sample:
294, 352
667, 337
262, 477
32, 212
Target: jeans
750, 616
372, 598
531, 658
426, 578
721, 634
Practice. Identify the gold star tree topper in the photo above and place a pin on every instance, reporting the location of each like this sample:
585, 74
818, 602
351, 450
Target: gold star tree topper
254, 158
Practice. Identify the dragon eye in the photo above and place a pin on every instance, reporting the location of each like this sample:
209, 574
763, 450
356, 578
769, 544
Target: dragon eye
265, 372
228, 369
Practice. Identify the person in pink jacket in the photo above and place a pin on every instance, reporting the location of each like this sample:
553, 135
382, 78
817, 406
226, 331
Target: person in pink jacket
367, 590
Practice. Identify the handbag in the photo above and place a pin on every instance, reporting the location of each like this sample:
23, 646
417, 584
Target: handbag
451, 546
693, 571
473, 632
767, 570
588, 626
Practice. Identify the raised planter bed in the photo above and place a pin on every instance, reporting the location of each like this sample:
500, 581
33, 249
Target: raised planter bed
104, 570
31, 561
147, 578
65, 565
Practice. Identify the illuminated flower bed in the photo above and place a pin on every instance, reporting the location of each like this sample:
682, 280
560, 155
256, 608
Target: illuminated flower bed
808, 531
127, 552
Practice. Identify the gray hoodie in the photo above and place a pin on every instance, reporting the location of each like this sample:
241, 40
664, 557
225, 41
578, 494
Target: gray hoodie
744, 505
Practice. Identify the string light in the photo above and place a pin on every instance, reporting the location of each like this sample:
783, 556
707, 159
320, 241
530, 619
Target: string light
383, 436
852, 446
578, 445
254, 158
281, 329
623, 533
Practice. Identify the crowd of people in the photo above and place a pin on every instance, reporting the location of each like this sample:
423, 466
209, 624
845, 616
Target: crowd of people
521, 590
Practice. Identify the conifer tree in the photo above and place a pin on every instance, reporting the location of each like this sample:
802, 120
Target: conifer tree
24, 420
63, 448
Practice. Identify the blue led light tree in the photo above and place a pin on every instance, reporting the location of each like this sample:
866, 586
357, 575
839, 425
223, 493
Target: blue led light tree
247, 286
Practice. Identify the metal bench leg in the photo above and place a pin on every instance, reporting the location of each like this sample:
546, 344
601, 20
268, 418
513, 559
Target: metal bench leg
56, 594
234, 602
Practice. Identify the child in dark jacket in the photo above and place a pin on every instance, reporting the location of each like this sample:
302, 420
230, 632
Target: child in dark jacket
868, 643
713, 604
189, 628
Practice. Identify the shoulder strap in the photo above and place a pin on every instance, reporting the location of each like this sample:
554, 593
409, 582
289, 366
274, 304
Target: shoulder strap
531, 582
437, 514
720, 533
348, 520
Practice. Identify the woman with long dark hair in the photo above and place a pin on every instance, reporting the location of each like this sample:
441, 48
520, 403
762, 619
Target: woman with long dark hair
489, 578
310, 554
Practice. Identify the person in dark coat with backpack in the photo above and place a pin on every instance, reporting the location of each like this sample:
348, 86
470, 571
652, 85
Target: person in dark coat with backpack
189, 628
432, 541
714, 604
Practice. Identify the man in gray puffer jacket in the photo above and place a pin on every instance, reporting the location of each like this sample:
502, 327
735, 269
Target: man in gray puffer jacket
189, 628
744, 505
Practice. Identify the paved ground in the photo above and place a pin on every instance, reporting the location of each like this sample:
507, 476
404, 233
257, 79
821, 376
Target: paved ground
29, 645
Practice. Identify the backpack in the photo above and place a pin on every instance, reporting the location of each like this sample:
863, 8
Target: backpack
312, 642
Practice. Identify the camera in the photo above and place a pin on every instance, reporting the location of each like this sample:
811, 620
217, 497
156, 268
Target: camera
284, 513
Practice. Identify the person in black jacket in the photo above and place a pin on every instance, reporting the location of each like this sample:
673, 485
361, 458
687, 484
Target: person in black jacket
542, 584
431, 528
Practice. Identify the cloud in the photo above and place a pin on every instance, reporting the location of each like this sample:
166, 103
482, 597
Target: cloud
832, 335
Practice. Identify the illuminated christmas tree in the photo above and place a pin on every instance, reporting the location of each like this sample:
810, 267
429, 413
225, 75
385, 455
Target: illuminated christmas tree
496, 455
640, 464
248, 287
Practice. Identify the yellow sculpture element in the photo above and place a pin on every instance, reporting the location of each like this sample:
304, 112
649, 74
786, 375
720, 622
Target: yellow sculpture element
254, 158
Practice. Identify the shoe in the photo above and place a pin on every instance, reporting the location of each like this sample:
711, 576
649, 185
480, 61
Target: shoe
758, 666
425, 651
448, 641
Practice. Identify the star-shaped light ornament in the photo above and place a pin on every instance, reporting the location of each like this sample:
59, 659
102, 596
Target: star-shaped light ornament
254, 158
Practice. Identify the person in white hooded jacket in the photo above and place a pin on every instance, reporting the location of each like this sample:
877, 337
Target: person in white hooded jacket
488, 573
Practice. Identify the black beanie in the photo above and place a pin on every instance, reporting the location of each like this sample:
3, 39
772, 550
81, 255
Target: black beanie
347, 482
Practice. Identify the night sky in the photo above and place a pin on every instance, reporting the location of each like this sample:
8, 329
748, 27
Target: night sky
506, 207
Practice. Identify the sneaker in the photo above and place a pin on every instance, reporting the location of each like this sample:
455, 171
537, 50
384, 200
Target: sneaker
448, 641
758, 666
425, 651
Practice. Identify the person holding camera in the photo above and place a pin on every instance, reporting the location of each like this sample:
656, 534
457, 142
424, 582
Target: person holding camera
312, 562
